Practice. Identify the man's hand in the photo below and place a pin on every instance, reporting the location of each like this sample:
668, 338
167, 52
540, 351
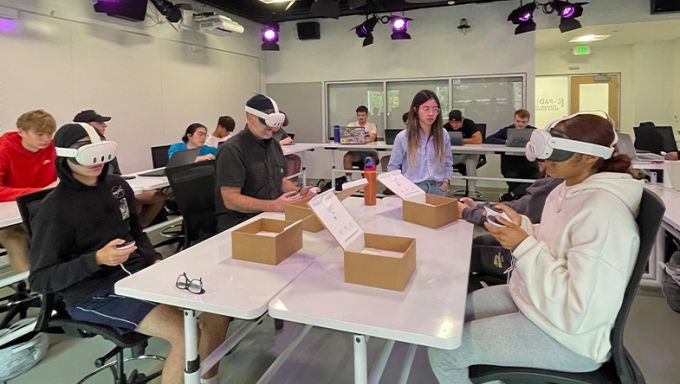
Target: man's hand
111, 256
285, 198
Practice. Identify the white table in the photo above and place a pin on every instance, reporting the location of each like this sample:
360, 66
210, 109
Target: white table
671, 224
429, 312
301, 148
144, 183
233, 288
9, 214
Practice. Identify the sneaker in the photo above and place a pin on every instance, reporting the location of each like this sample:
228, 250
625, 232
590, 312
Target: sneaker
339, 181
508, 196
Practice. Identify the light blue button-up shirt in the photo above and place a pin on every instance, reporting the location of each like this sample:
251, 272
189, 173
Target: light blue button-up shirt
426, 166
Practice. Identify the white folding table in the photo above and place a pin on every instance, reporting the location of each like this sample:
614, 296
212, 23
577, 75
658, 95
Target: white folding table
429, 312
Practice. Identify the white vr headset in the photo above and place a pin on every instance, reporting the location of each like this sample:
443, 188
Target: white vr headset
546, 144
274, 119
94, 152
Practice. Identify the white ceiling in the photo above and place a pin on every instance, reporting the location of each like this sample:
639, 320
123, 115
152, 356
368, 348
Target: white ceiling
630, 33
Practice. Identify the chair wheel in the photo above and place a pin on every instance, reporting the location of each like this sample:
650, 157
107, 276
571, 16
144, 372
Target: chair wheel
278, 324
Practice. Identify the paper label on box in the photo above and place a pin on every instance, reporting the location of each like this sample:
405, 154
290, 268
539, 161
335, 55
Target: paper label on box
338, 221
402, 187
382, 252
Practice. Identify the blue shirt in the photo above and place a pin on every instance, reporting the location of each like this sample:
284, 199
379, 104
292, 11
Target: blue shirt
182, 146
426, 166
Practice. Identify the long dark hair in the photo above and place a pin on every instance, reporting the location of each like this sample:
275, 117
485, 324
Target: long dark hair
191, 129
413, 128
597, 130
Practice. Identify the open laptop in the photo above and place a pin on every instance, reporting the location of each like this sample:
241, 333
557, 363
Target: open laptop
518, 137
456, 137
352, 135
178, 158
391, 135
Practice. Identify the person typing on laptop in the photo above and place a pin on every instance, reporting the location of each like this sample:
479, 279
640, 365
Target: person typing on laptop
251, 169
465, 164
359, 157
513, 166
194, 137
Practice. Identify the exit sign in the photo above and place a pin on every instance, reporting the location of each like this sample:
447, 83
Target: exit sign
581, 50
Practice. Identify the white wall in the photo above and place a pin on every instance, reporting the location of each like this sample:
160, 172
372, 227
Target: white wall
437, 48
152, 79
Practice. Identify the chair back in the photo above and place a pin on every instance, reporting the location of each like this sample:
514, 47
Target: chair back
194, 187
159, 156
29, 204
482, 128
648, 221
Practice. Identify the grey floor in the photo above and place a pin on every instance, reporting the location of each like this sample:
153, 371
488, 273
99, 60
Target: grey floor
325, 356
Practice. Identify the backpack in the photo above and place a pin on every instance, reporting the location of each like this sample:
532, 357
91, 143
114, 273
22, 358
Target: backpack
671, 281
21, 348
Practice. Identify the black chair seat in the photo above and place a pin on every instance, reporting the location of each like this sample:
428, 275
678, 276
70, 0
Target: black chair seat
85, 330
510, 375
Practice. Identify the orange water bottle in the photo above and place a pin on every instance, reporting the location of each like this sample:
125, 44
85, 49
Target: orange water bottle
370, 188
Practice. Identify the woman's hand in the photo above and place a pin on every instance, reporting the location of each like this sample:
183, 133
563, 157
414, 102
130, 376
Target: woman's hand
465, 203
444, 186
511, 234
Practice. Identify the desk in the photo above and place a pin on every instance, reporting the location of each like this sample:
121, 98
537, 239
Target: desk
301, 148
429, 312
670, 224
144, 183
233, 287
9, 214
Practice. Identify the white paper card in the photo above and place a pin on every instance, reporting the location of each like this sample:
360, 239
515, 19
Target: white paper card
355, 183
402, 187
382, 252
338, 221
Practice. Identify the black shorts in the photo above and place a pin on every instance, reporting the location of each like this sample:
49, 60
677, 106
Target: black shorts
119, 312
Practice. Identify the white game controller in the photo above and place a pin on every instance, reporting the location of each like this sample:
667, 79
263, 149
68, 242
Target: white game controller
491, 216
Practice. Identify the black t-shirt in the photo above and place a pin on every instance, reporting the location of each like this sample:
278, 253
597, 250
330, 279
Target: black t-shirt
255, 166
468, 129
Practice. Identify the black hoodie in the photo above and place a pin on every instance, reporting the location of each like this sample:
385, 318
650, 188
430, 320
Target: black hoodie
75, 221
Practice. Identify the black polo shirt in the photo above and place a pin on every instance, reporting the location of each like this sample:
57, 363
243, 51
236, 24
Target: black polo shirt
468, 129
255, 166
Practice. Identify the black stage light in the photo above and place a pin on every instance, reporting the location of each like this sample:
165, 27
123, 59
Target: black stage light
365, 30
568, 13
523, 17
171, 11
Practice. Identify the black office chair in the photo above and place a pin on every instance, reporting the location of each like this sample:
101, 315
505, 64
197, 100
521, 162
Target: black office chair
621, 368
159, 156
54, 318
194, 187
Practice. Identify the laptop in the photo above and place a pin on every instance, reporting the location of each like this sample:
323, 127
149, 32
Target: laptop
518, 137
391, 135
352, 135
456, 137
178, 158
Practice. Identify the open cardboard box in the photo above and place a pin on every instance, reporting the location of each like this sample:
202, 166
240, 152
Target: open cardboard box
381, 261
436, 212
418, 207
299, 210
266, 241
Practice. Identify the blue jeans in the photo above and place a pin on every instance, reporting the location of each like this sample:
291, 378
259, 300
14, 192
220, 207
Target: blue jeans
431, 186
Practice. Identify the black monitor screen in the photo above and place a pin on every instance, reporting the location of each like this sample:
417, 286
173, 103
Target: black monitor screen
655, 139
669, 144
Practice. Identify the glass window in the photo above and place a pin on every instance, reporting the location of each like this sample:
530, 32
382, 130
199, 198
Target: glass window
488, 100
343, 100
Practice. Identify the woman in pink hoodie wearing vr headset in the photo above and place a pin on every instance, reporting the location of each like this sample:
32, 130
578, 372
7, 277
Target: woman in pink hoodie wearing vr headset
570, 272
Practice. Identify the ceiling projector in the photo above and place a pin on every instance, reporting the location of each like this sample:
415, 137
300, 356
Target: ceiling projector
217, 24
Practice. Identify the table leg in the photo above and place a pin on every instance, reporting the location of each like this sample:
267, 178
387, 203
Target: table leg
471, 162
377, 371
192, 363
360, 360
408, 362
332, 152
266, 377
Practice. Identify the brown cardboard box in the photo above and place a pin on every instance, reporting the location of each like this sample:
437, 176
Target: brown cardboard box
299, 210
443, 210
382, 271
247, 245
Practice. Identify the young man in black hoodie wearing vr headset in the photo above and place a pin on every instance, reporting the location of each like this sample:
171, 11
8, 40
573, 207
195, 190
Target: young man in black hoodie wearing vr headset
86, 237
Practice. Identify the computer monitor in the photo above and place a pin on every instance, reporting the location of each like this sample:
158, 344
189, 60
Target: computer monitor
669, 143
655, 139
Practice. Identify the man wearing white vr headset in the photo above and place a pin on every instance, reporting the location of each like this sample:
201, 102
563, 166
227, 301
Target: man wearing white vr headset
87, 236
570, 272
251, 168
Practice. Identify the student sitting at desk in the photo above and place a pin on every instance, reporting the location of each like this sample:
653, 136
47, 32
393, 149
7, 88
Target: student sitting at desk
251, 169
223, 131
571, 271
152, 200
359, 157
515, 167
75, 251
26, 165
423, 150
194, 137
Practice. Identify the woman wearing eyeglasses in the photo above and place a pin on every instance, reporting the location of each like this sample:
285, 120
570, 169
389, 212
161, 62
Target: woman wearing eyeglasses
86, 236
423, 150
570, 272
194, 137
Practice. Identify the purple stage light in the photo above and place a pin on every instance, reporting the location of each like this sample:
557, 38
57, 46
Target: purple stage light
525, 17
399, 24
568, 11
